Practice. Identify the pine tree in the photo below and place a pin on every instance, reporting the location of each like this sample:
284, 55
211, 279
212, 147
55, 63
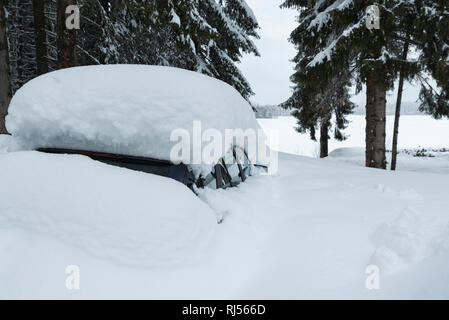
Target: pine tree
233, 25
406, 29
40, 36
375, 54
394, 149
320, 91
206, 36
145, 31
66, 39
5, 83
98, 39
318, 98
433, 39
51, 33
21, 39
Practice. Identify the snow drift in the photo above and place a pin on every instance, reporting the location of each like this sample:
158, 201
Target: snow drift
8, 144
124, 109
308, 232
113, 213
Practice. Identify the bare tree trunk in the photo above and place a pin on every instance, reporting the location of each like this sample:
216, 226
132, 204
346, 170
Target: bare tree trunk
324, 138
375, 124
5, 83
66, 41
394, 151
41, 37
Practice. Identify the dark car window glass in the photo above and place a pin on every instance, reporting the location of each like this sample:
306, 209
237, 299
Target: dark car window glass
146, 165
161, 170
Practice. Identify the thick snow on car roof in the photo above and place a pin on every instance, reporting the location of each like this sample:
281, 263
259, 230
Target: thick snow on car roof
123, 109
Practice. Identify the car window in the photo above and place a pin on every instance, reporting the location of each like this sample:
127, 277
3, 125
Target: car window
247, 171
244, 163
159, 169
228, 172
241, 157
234, 173
210, 181
147, 165
221, 174
234, 169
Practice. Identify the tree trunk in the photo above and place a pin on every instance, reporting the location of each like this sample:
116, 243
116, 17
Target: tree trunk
324, 139
375, 124
40, 36
394, 150
105, 5
5, 83
20, 50
66, 41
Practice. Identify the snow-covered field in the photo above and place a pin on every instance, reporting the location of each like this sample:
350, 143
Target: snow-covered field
310, 231
414, 131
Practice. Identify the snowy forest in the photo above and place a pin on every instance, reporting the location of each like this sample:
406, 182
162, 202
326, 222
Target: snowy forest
204, 36
336, 50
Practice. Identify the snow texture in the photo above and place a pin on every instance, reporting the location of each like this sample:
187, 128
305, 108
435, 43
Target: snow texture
113, 213
8, 144
279, 239
124, 109
434, 135
308, 232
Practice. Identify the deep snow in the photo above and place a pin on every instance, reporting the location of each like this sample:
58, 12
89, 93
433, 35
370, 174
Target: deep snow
308, 232
127, 109
414, 131
118, 214
434, 160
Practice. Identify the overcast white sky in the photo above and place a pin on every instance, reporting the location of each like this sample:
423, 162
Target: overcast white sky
269, 74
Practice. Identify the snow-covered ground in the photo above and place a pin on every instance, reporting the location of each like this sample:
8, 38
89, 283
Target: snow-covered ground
415, 159
414, 131
310, 231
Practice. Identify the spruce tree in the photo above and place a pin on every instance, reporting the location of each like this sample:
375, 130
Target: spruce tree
320, 90
5, 83
40, 36
233, 27
373, 55
98, 39
206, 36
66, 39
21, 39
320, 96
433, 39
406, 32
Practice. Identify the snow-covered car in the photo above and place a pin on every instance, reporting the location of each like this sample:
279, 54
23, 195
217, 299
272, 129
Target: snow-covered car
131, 115
229, 171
